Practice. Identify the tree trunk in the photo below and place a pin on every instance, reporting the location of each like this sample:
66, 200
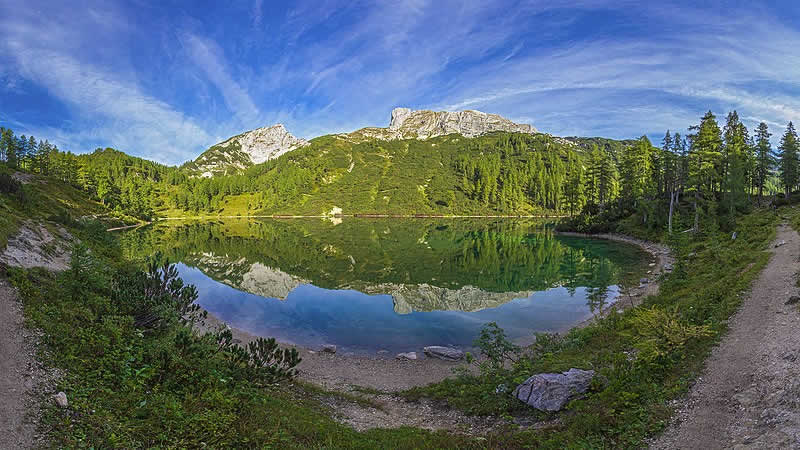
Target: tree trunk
696, 213
672, 196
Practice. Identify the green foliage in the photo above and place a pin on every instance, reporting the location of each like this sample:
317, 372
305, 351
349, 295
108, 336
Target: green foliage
661, 335
495, 348
788, 162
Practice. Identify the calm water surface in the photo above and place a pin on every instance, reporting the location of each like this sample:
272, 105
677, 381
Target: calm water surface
392, 284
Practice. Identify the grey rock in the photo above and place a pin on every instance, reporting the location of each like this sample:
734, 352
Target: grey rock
61, 400
780, 243
445, 353
668, 267
644, 280
328, 348
733, 236
551, 391
409, 356
793, 300
247, 149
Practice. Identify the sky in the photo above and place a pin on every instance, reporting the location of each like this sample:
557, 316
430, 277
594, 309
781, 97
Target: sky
165, 80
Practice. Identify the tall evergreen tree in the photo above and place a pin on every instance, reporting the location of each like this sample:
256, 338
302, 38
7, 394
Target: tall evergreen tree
735, 153
705, 158
788, 160
765, 161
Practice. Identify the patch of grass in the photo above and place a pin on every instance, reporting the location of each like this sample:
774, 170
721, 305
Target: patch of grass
639, 367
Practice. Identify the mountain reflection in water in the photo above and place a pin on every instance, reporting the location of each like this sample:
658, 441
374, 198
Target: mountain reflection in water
394, 284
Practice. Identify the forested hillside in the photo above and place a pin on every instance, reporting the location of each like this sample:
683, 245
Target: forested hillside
709, 171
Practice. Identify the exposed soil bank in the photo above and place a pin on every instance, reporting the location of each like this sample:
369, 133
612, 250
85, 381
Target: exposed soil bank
748, 395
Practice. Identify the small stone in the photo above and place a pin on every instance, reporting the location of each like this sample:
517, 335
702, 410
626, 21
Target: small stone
780, 243
409, 356
328, 348
733, 236
61, 400
501, 389
668, 267
445, 353
793, 300
644, 280
652, 264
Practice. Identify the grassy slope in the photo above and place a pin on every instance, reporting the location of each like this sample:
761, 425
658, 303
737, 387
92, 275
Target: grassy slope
42, 200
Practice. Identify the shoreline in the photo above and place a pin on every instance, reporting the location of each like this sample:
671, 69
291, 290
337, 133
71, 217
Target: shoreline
346, 372
631, 297
366, 216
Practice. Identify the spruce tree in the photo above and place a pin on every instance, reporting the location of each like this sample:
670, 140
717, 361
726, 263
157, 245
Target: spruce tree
765, 161
705, 157
788, 160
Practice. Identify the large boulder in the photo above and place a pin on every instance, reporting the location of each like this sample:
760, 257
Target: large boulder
445, 353
551, 391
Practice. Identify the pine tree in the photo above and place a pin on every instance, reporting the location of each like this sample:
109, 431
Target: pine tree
788, 160
573, 190
705, 158
765, 162
735, 154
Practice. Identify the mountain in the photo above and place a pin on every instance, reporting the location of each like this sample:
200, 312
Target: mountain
264, 144
245, 150
425, 124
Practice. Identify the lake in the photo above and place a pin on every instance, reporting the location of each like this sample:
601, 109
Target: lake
392, 284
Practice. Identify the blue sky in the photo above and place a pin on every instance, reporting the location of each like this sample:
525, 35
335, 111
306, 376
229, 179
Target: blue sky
164, 80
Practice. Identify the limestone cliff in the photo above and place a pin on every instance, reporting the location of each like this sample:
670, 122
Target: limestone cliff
247, 149
424, 124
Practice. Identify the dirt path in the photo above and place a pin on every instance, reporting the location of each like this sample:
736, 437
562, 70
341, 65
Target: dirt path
749, 393
17, 366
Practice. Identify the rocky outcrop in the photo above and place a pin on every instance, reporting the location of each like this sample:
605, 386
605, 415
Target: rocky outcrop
245, 150
551, 391
424, 124
445, 353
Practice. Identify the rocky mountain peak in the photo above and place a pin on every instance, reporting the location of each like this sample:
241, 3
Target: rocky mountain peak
247, 149
424, 124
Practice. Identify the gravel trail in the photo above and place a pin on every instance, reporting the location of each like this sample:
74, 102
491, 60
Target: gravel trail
749, 393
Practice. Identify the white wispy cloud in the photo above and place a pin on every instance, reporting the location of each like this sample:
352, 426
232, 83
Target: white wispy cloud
209, 58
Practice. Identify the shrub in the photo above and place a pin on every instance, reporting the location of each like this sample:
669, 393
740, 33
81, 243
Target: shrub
661, 335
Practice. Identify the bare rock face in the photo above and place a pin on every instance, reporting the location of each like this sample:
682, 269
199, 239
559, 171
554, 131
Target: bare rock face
427, 124
551, 391
247, 149
424, 124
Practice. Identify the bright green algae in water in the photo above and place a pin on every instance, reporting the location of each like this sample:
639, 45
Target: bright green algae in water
392, 284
